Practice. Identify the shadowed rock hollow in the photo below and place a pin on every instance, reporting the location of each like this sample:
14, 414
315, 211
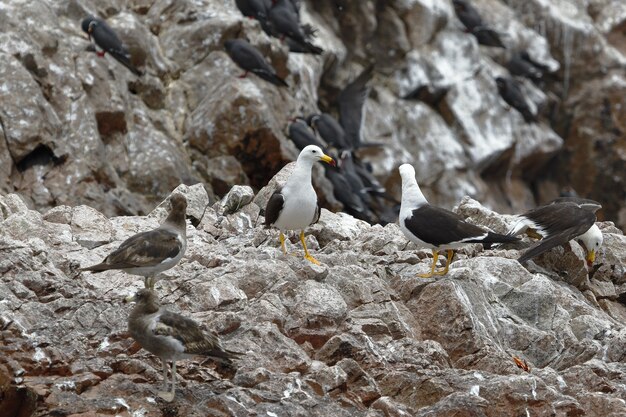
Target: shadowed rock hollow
358, 336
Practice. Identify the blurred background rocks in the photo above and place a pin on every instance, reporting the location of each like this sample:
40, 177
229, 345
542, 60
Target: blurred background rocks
78, 129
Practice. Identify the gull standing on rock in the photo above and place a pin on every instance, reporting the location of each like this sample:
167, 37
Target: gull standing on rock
294, 205
436, 228
302, 135
150, 253
558, 222
171, 336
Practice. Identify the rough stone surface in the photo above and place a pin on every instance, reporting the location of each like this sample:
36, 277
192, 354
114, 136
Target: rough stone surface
359, 335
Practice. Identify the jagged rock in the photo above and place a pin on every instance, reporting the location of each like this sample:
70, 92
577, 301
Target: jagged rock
237, 198
197, 203
59, 214
77, 130
327, 379
315, 311
359, 335
391, 408
89, 227
10, 204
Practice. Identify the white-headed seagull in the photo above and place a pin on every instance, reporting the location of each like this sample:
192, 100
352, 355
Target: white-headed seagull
294, 206
558, 222
436, 228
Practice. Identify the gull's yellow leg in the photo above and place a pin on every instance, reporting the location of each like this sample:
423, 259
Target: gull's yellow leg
282, 243
432, 268
307, 255
532, 233
445, 270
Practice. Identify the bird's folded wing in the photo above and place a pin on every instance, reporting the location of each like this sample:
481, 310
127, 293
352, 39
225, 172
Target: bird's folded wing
552, 241
145, 249
274, 207
557, 218
187, 332
439, 226
351, 101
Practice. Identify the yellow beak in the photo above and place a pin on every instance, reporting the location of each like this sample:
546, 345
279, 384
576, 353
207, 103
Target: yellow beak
591, 257
327, 159
129, 299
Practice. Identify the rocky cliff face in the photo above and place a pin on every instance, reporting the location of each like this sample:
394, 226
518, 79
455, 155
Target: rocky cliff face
78, 129
359, 335
82, 140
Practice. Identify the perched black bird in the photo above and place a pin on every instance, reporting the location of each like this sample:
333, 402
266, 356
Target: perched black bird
371, 183
285, 19
295, 4
467, 14
428, 94
330, 130
301, 134
350, 102
106, 40
436, 228
474, 24
309, 31
488, 37
250, 59
511, 92
558, 222
348, 168
521, 65
256, 9
352, 202
302, 48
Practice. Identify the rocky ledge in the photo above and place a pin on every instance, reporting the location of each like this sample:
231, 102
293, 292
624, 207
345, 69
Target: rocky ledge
358, 336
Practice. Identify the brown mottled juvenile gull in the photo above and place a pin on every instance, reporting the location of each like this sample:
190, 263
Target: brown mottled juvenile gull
171, 336
150, 253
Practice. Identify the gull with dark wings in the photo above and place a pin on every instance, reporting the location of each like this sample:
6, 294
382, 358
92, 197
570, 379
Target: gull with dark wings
437, 228
294, 205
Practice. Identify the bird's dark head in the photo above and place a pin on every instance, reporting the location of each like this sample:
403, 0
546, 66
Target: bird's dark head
178, 202
178, 211
459, 5
144, 296
500, 82
524, 55
312, 119
88, 24
229, 44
